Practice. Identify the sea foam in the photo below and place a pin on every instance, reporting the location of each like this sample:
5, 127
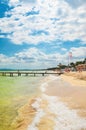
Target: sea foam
64, 118
45, 84
39, 114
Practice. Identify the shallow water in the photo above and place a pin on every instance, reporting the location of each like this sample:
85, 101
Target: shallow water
14, 93
42, 112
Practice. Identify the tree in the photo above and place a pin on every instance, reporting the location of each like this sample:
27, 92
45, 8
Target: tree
72, 64
79, 62
61, 66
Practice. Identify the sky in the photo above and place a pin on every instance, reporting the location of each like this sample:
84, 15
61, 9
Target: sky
39, 34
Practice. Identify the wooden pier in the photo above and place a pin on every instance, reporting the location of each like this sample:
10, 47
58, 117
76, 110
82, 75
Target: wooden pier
11, 74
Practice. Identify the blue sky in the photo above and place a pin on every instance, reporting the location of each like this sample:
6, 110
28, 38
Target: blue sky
41, 33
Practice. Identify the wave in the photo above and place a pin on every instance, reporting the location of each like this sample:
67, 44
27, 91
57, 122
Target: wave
62, 117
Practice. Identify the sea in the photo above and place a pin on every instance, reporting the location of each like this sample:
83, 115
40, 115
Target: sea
24, 105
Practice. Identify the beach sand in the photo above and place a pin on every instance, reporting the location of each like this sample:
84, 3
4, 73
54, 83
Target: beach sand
29, 116
61, 105
25, 116
71, 89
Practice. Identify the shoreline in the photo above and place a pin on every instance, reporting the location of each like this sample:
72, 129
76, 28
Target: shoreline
57, 99
71, 89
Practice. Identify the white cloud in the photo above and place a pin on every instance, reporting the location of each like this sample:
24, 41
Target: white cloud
76, 3
79, 52
3, 58
13, 2
30, 58
63, 49
57, 18
35, 58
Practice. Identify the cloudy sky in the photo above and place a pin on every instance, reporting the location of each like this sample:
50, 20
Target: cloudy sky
41, 33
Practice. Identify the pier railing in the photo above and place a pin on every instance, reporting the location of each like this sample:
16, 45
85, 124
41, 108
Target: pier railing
11, 74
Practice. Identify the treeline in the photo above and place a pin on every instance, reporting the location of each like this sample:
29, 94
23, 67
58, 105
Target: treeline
72, 64
78, 62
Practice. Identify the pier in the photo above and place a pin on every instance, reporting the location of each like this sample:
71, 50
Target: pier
11, 74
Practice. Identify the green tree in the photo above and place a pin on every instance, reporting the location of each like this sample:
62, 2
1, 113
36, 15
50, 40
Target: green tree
72, 64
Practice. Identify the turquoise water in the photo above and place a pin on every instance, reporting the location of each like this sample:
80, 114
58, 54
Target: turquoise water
14, 93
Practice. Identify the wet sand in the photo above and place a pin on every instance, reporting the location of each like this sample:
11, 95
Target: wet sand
25, 116
71, 89
53, 107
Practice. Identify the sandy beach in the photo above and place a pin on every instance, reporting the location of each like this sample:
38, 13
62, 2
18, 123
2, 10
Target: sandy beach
61, 104
78, 98
75, 78
72, 90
